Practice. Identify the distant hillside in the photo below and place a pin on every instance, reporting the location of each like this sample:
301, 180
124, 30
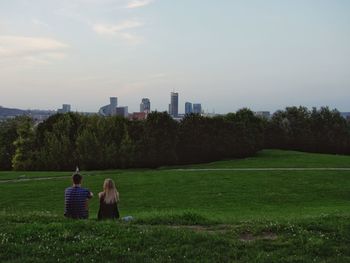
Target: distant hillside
345, 114
37, 115
12, 112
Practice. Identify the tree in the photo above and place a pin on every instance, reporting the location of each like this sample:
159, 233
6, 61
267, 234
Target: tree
159, 140
126, 150
8, 134
56, 142
248, 133
330, 130
23, 157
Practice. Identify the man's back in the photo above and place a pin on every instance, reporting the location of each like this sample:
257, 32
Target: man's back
76, 202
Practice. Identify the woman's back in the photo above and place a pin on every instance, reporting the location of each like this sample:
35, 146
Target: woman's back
107, 210
108, 201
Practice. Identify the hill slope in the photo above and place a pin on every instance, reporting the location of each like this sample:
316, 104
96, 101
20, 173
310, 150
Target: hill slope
187, 215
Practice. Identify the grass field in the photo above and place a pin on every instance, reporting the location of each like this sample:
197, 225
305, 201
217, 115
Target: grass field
187, 215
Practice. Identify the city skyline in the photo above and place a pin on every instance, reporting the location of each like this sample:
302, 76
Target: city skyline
264, 55
64, 108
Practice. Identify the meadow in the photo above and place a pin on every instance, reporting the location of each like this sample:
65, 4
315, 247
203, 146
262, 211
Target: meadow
227, 211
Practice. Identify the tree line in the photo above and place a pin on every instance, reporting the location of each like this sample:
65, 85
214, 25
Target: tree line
64, 141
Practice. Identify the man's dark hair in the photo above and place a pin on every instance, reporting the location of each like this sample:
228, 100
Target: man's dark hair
77, 178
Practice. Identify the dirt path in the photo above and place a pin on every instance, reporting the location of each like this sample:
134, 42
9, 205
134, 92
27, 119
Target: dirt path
18, 180
261, 169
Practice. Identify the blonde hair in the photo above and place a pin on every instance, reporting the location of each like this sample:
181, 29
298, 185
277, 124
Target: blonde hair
110, 194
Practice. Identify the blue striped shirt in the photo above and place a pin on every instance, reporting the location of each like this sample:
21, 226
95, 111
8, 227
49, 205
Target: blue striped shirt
76, 202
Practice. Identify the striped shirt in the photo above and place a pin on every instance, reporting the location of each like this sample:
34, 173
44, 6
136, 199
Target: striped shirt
76, 202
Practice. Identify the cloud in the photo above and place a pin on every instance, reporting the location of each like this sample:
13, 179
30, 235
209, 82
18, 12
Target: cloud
138, 3
133, 39
31, 48
119, 30
40, 23
104, 29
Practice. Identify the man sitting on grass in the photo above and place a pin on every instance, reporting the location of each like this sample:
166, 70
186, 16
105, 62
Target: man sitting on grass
76, 199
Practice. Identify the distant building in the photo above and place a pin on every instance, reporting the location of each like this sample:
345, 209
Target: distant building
138, 116
65, 108
145, 105
188, 108
174, 104
110, 109
122, 111
264, 114
197, 108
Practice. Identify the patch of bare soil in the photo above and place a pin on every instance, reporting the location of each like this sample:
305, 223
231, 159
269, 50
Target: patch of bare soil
198, 228
247, 237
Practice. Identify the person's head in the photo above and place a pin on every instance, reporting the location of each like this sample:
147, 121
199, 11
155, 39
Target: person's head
110, 191
77, 178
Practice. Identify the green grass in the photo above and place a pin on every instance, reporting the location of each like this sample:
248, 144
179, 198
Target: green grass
263, 159
282, 159
214, 216
47, 238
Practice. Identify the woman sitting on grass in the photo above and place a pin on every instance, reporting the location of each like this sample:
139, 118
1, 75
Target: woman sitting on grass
108, 201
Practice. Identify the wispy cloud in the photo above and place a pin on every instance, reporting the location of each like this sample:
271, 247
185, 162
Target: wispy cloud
119, 30
113, 29
40, 23
31, 48
138, 3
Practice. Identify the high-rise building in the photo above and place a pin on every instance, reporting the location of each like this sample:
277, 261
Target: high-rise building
122, 111
113, 102
65, 108
174, 104
145, 105
188, 108
109, 109
197, 108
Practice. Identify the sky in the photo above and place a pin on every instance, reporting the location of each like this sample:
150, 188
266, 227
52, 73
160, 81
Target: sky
225, 54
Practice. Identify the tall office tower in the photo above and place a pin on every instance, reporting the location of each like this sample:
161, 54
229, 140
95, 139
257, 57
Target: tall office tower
66, 108
197, 108
122, 111
113, 105
109, 109
174, 104
145, 105
188, 108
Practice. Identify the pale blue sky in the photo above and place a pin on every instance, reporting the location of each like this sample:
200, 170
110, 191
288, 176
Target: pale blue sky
226, 54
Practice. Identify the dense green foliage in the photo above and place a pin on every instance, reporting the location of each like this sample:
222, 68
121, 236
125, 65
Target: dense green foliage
186, 215
320, 131
8, 134
94, 142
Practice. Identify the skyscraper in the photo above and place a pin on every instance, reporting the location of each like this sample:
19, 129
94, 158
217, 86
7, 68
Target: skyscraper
110, 109
145, 105
197, 108
188, 108
122, 111
174, 104
113, 102
65, 108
